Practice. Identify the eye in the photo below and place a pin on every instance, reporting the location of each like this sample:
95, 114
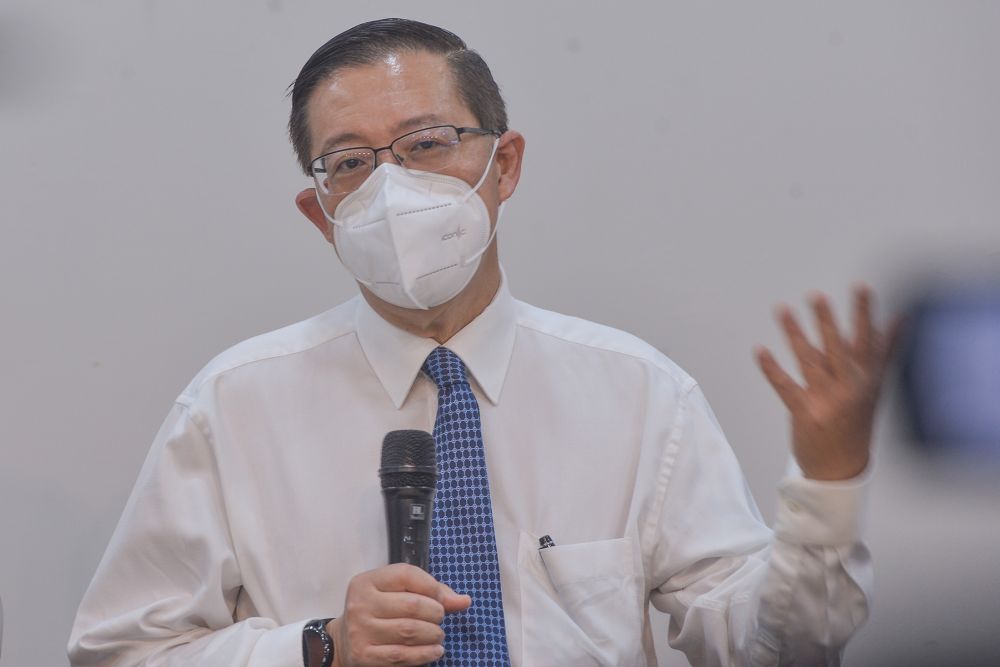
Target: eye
426, 144
347, 164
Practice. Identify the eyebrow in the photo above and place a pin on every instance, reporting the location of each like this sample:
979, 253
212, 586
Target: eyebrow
352, 139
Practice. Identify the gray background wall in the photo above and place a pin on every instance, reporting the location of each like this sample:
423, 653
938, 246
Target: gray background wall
742, 155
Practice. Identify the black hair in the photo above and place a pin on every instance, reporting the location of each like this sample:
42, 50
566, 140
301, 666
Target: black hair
369, 42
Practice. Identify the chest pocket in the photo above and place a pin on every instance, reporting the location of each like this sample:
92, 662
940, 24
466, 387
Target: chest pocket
582, 604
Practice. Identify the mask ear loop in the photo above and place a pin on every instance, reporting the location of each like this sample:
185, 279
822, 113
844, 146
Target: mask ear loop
489, 163
477, 255
319, 200
335, 223
490, 239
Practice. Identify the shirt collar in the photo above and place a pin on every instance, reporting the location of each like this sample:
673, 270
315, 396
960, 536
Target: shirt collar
485, 346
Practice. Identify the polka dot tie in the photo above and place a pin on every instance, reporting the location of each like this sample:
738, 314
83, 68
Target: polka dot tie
463, 550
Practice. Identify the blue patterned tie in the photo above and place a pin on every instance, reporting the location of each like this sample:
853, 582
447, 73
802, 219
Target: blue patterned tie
463, 550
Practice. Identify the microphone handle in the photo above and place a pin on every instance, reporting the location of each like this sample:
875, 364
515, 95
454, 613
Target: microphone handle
408, 512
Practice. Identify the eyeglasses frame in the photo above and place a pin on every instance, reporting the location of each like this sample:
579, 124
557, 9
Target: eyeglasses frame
478, 131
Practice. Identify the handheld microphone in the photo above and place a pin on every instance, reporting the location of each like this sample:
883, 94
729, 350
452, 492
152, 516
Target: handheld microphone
409, 476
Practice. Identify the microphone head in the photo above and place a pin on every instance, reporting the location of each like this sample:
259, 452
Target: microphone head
409, 458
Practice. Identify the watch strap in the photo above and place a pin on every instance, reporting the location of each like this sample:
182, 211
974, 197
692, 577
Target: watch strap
315, 631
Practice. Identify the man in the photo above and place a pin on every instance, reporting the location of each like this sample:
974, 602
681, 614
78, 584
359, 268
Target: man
253, 536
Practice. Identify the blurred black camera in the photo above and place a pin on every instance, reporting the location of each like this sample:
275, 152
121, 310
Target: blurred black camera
950, 370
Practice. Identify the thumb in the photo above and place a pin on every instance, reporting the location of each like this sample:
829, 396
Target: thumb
452, 601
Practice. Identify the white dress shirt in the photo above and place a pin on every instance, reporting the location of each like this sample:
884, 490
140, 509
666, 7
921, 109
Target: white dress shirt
260, 499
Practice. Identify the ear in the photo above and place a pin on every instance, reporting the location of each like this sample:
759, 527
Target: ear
307, 203
510, 153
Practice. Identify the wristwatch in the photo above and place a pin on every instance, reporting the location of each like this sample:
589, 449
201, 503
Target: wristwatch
317, 641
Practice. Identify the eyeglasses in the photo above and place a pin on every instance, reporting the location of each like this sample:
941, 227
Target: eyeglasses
431, 149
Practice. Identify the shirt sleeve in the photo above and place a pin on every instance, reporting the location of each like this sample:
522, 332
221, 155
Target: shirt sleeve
736, 593
165, 592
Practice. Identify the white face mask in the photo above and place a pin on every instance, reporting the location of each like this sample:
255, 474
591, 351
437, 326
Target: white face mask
413, 238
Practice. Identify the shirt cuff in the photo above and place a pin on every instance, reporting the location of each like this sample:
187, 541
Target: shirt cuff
280, 647
812, 512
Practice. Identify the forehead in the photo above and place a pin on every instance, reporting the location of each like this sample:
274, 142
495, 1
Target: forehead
373, 104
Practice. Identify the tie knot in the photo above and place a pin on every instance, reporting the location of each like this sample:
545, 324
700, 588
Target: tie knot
445, 368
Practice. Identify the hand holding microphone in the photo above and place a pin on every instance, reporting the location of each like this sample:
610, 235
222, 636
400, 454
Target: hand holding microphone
392, 614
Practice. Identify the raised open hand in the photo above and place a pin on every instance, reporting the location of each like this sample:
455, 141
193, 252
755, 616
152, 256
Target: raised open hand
833, 410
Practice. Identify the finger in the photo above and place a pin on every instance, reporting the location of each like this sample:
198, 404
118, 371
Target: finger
404, 577
405, 656
453, 601
863, 330
833, 344
407, 605
788, 390
811, 361
891, 339
405, 631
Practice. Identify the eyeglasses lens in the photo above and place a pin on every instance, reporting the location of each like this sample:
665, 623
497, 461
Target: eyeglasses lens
431, 149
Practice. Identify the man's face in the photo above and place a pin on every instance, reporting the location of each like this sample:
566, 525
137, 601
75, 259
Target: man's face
371, 105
